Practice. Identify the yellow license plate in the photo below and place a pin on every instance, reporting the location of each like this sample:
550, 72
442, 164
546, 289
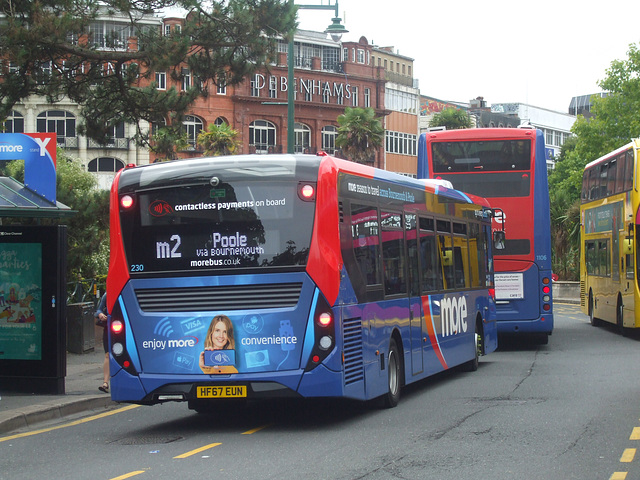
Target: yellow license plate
227, 391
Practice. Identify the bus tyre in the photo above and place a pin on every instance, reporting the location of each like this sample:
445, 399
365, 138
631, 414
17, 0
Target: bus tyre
592, 319
620, 318
472, 365
394, 371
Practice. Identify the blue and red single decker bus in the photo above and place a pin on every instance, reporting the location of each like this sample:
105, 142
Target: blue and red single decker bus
291, 276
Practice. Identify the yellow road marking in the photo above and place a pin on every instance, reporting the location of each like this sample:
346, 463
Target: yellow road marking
628, 454
198, 450
128, 475
635, 434
70, 424
249, 432
618, 476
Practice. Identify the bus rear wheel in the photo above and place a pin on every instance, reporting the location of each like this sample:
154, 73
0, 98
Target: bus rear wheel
472, 365
394, 370
592, 319
620, 317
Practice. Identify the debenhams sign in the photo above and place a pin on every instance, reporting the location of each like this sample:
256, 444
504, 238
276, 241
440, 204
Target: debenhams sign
307, 87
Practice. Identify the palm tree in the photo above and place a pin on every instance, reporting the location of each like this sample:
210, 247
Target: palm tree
360, 134
219, 140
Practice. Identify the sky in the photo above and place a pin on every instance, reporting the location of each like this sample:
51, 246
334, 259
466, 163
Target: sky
540, 52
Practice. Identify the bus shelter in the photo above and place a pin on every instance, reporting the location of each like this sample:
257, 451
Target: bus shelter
32, 291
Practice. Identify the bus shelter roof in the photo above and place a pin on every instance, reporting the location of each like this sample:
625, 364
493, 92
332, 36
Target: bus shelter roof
17, 200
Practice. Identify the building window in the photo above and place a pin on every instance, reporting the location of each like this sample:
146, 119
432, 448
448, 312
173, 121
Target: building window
302, 138
262, 135
340, 97
105, 164
14, 123
354, 96
548, 137
367, 97
360, 55
192, 125
345, 54
326, 95
167, 30
110, 35
329, 134
256, 85
385, 63
220, 121
161, 80
62, 123
273, 87
186, 79
401, 143
221, 86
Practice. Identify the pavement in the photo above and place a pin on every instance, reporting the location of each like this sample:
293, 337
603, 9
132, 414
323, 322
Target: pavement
84, 376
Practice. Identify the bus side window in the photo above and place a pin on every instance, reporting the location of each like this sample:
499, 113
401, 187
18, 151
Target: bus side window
365, 228
621, 161
611, 177
393, 258
477, 257
461, 255
412, 254
429, 260
445, 251
628, 177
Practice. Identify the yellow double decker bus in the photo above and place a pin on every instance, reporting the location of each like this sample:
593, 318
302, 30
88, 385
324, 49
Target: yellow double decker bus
609, 214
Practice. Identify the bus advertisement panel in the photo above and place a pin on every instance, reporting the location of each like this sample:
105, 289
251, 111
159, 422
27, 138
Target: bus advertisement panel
609, 218
301, 276
507, 166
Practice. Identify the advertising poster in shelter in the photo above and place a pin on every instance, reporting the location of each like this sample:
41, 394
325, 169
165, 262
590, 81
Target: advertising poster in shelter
20, 301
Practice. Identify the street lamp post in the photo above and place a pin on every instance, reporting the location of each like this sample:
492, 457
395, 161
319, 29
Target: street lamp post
336, 29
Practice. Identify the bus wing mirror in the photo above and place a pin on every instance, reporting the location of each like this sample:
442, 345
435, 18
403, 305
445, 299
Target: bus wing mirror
498, 239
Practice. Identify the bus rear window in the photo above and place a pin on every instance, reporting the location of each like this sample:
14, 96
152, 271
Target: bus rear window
481, 156
192, 227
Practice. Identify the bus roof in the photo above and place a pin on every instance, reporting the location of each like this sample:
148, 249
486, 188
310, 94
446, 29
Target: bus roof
484, 133
175, 171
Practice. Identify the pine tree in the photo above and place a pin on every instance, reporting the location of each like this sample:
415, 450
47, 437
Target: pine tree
48, 48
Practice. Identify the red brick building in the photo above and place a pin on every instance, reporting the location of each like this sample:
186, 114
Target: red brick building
329, 76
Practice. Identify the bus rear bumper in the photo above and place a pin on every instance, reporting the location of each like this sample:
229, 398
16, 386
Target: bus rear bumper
543, 324
153, 389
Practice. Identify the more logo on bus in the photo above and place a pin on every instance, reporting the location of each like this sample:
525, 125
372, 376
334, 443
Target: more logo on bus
453, 315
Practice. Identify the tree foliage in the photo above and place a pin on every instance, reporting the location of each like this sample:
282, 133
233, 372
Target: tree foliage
88, 229
48, 48
614, 123
451, 118
360, 133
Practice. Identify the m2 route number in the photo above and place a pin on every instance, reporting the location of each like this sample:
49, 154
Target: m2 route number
228, 391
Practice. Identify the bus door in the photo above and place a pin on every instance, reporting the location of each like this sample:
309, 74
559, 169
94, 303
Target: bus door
416, 315
396, 277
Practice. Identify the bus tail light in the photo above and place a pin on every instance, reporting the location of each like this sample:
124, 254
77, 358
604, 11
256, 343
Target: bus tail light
307, 191
324, 333
126, 202
546, 294
118, 340
492, 293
